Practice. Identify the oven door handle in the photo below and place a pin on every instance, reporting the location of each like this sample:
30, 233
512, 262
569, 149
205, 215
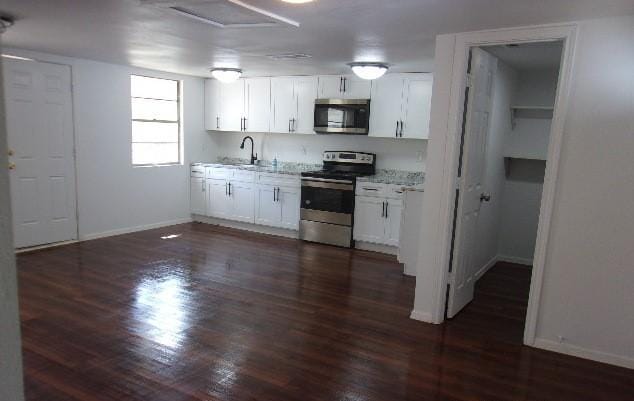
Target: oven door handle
328, 184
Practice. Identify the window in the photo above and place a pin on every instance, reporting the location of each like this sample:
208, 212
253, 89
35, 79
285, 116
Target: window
156, 124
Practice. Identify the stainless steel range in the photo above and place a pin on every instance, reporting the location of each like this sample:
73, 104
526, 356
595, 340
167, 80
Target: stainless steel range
327, 208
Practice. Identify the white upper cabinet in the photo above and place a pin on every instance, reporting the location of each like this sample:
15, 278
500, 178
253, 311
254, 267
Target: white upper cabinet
400, 106
386, 106
257, 110
293, 102
417, 106
231, 106
344, 87
212, 104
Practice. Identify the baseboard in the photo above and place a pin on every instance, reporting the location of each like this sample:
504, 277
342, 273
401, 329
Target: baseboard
368, 246
580, 352
128, 230
280, 232
487, 266
45, 246
515, 259
421, 316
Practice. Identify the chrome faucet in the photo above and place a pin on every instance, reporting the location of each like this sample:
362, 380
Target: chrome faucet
254, 157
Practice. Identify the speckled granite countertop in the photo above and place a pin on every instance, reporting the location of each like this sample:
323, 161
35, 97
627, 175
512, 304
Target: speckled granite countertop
263, 166
396, 177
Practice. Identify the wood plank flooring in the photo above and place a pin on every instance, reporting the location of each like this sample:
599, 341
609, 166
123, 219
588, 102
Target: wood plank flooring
220, 314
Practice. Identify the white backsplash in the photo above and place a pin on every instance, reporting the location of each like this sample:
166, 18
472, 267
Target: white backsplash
402, 154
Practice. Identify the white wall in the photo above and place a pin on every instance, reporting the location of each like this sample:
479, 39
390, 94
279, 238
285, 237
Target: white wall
11, 387
113, 196
402, 154
489, 220
587, 295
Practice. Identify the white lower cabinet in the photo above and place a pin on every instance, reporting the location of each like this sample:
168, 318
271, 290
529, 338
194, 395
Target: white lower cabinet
377, 214
277, 206
241, 195
198, 195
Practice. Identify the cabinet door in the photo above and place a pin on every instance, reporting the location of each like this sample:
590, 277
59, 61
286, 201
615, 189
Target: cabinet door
305, 92
212, 104
242, 197
393, 222
258, 104
197, 198
356, 88
369, 223
218, 201
418, 106
289, 199
330, 87
268, 210
231, 105
386, 107
284, 104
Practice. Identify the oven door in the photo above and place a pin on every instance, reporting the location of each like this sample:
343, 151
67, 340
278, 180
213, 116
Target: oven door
342, 116
327, 201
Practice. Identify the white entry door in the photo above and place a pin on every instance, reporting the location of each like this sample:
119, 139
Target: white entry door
41, 162
471, 191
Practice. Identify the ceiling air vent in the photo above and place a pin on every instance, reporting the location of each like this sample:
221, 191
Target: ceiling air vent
224, 13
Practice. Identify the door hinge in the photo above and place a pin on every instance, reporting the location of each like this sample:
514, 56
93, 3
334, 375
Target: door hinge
469, 80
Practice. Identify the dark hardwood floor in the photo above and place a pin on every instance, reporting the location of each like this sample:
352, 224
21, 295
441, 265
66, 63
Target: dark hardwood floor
219, 314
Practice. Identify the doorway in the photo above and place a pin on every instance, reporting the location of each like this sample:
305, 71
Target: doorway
39, 122
509, 104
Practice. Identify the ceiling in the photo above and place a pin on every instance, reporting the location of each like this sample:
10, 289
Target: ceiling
529, 56
334, 32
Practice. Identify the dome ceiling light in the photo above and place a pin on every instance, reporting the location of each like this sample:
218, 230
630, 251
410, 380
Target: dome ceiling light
226, 75
367, 70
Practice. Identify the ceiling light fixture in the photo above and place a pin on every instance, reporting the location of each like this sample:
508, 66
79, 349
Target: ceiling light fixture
366, 70
226, 75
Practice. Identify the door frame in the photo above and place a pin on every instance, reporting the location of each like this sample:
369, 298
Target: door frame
30, 57
450, 134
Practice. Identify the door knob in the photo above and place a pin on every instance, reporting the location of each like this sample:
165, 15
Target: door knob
485, 197
11, 166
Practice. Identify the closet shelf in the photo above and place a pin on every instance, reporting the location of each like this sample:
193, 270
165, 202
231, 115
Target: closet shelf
539, 112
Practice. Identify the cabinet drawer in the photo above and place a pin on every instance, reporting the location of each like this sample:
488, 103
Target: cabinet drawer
243, 176
197, 171
280, 180
371, 189
219, 173
394, 191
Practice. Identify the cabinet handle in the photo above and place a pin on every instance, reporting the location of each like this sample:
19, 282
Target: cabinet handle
278, 194
340, 84
217, 122
245, 123
401, 133
229, 189
293, 124
387, 205
203, 185
345, 80
396, 132
369, 189
383, 209
226, 189
274, 200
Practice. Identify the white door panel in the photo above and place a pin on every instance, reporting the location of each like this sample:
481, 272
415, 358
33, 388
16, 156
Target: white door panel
268, 211
212, 104
242, 198
218, 202
232, 105
40, 134
462, 280
369, 220
386, 106
284, 104
257, 104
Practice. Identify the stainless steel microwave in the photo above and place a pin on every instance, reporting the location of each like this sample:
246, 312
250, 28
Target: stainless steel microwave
342, 116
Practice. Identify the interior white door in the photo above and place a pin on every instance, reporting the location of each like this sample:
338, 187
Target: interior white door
462, 278
212, 104
305, 92
417, 109
369, 219
386, 106
232, 105
289, 199
197, 195
284, 104
258, 104
40, 139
